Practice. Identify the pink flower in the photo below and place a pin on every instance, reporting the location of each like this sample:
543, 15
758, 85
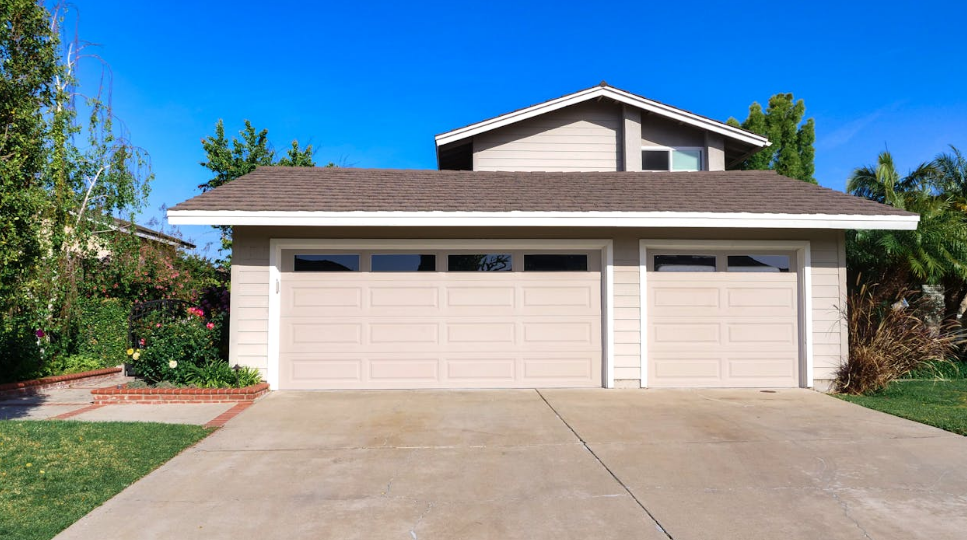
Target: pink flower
158, 325
210, 326
141, 342
40, 333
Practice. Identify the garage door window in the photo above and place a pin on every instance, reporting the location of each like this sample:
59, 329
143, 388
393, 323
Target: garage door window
326, 263
684, 263
758, 263
482, 262
404, 262
547, 262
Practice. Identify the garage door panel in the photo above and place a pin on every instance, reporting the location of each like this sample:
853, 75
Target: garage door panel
690, 367
536, 296
404, 297
685, 297
309, 336
425, 369
541, 333
404, 333
777, 367
760, 333
760, 297
671, 334
308, 369
482, 333
482, 371
562, 368
477, 297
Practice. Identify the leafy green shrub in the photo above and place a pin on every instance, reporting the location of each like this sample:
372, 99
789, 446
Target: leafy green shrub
74, 363
248, 376
213, 374
218, 374
171, 346
887, 341
103, 332
21, 357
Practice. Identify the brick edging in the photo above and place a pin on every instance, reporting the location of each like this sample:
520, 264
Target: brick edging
31, 387
154, 396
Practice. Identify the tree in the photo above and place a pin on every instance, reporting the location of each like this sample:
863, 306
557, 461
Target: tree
791, 152
28, 66
66, 169
252, 150
935, 251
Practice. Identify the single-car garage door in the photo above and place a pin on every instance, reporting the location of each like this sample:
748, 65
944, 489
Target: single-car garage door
722, 319
439, 319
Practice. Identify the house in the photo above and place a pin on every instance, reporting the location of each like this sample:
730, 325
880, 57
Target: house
156, 239
592, 240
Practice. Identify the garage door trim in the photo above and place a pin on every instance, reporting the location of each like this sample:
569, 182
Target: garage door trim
276, 245
803, 261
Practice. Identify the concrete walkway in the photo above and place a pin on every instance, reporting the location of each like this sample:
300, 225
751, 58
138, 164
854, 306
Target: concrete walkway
76, 403
597, 464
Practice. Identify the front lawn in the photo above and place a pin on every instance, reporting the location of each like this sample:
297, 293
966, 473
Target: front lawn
54, 472
939, 403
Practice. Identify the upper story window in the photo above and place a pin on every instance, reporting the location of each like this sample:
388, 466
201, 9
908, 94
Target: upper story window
662, 158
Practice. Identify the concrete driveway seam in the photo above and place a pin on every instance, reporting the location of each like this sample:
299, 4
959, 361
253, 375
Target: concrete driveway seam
658, 524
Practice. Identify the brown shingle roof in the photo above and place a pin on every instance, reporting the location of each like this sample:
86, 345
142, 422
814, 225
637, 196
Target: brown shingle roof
410, 190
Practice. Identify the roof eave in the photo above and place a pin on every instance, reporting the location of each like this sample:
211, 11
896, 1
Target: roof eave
622, 96
739, 220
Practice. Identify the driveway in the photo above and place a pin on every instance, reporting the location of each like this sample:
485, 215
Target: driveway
554, 464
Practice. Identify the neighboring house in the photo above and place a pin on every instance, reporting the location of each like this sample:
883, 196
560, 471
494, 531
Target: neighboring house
154, 238
539, 255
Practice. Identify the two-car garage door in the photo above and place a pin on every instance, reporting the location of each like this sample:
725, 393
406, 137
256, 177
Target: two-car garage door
506, 319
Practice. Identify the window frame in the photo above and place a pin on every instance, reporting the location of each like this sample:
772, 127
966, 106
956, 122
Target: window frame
702, 166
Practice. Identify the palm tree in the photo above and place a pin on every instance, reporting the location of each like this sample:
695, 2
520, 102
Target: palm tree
950, 170
936, 250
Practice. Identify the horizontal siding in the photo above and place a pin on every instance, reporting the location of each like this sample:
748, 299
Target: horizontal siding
250, 300
627, 373
583, 137
829, 300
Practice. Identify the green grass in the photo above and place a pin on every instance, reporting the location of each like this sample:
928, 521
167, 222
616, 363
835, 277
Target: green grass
54, 472
939, 403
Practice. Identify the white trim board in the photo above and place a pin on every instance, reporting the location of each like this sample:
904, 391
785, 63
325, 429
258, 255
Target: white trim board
276, 245
609, 92
804, 264
739, 220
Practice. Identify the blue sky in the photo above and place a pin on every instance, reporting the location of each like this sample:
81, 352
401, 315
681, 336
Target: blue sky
368, 84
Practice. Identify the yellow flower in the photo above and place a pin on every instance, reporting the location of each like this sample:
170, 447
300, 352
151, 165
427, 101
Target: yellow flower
130, 352
41, 471
30, 464
136, 355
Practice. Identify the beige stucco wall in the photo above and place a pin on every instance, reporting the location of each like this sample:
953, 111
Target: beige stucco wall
250, 289
591, 136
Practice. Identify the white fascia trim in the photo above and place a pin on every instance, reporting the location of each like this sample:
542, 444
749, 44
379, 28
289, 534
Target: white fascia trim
612, 93
542, 219
276, 245
803, 249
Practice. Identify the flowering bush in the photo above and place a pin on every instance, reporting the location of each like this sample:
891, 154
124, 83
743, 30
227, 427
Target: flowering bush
169, 347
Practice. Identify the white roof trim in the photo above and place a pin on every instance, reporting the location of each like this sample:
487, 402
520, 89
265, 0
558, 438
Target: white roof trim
542, 219
603, 91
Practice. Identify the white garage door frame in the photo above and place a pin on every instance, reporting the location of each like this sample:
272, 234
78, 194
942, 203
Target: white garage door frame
276, 245
803, 262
